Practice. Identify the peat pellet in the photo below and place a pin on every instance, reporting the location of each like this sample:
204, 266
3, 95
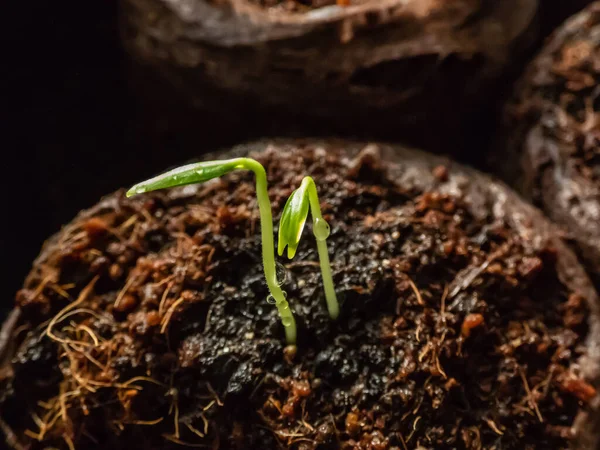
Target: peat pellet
553, 128
417, 69
465, 321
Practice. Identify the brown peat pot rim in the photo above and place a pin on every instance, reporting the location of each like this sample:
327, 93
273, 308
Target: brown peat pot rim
238, 22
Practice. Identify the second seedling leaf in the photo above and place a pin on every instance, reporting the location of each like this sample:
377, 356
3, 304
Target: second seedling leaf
293, 219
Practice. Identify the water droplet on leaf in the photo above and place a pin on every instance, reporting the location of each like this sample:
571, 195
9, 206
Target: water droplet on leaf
271, 299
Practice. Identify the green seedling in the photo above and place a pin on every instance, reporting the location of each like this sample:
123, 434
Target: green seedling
291, 225
204, 171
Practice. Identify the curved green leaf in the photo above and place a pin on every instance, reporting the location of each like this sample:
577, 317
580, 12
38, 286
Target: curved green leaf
189, 174
292, 222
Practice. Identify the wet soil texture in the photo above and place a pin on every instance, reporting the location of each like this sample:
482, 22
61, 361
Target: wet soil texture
144, 323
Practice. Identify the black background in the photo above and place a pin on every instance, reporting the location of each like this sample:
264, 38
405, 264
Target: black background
62, 81
72, 130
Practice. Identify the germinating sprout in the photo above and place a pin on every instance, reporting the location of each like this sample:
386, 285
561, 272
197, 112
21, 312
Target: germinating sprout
291, 225
204, 171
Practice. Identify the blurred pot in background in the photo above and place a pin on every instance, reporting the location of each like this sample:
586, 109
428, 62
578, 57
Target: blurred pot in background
552, 126
413, 70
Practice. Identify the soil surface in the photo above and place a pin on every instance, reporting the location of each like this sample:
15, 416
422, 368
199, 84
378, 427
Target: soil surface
144, 323
554, 123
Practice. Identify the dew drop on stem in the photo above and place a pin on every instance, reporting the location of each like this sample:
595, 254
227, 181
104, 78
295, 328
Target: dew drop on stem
321, 229
271, 300
284, 306
280, 303
281, 273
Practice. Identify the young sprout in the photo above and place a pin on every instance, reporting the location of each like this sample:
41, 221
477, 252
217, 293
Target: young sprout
204, 171
291, 225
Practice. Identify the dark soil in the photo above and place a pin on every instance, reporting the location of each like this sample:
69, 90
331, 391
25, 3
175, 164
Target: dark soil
464, 319
554, 123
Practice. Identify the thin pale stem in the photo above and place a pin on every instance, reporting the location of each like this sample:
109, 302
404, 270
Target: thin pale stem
268, 247
198, 173
321, 231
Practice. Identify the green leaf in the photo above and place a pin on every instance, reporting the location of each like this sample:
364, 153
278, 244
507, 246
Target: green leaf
292, 222
189, 174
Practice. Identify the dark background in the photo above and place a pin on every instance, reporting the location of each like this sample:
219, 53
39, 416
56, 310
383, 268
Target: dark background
67, 111
73, 129
61, 83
